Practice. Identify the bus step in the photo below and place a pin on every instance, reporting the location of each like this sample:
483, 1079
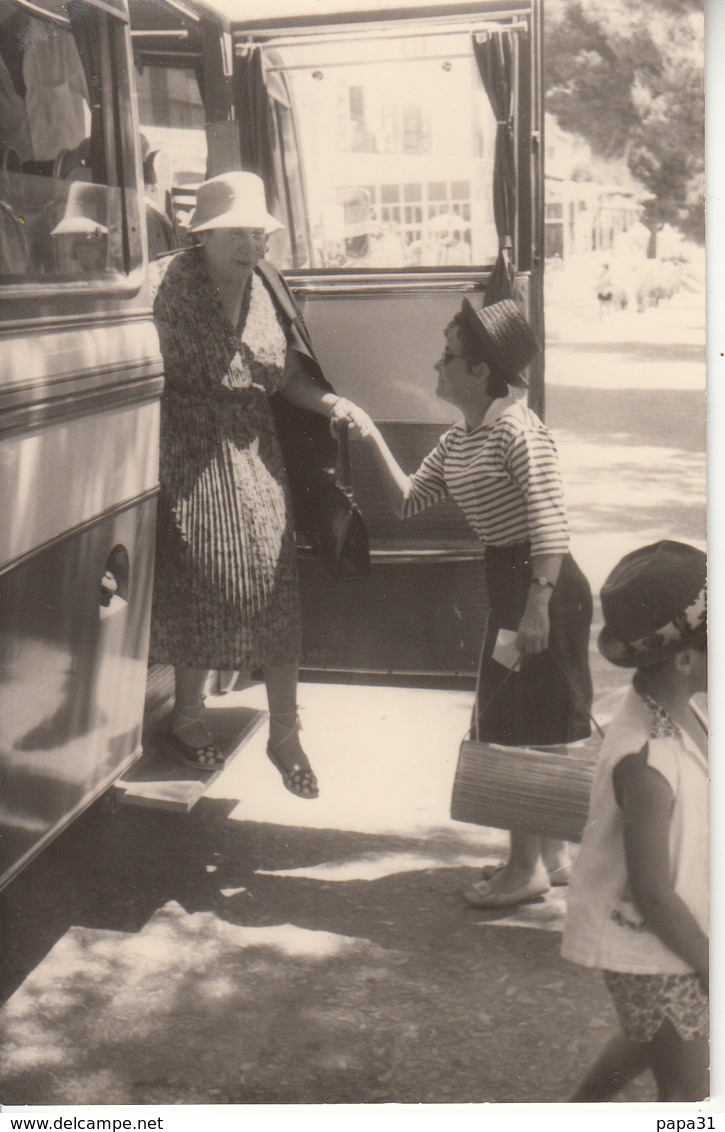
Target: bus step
159, 782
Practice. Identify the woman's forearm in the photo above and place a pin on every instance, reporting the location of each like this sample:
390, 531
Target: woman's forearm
533, 631
302, 391
396, 483
546, 566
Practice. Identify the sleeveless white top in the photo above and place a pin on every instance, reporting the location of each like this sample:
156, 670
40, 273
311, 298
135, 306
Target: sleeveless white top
603, 925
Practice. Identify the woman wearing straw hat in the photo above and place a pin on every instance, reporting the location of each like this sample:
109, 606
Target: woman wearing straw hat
225, 589
500, 465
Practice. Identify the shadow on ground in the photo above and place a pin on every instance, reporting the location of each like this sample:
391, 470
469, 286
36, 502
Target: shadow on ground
160, 958
669, 418
634, 351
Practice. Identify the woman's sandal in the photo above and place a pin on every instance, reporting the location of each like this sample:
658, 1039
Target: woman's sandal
208, 757
299, 781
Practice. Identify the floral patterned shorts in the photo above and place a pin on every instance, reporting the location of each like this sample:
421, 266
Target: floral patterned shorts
644, 1002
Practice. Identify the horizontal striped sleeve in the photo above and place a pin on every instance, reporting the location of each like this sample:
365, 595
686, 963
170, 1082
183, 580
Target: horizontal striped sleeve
532, 462
427, 486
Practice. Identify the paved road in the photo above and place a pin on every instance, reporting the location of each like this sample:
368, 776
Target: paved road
265, 949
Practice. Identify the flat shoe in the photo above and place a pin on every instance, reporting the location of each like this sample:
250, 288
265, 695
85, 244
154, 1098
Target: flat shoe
301, 783
482, 895
558, 877
208, 757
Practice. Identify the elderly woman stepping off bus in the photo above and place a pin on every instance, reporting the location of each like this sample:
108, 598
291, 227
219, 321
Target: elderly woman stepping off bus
499, 464
225, 589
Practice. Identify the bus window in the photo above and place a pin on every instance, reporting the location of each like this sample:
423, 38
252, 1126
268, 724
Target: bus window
172, 120
68, 210
397, 145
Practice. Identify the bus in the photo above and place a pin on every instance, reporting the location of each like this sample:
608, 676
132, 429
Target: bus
401, 147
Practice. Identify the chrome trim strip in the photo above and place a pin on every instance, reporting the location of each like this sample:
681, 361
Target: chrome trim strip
63, 474
258, 27
54, 352
448, 674
465, 25
414, 556
393, 283
392, 275
76, 402
39, 392
61, 322
125, 285
80, 528
395, 289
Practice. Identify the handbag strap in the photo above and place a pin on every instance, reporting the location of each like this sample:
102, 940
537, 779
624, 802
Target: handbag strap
344, 464
577, 694
479, 714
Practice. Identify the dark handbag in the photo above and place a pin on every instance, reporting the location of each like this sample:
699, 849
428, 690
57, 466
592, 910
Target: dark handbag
544, 792
333, 524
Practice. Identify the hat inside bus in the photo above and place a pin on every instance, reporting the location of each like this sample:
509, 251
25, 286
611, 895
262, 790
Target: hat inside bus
85, 211
507, 340
232, 200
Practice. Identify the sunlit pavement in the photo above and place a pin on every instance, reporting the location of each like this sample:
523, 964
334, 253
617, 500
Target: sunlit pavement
267, 949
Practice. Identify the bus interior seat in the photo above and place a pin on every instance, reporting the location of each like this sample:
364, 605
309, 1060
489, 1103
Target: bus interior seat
13, 244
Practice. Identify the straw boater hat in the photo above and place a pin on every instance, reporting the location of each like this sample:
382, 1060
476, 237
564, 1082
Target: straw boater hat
654, 603
232, 200
505, 336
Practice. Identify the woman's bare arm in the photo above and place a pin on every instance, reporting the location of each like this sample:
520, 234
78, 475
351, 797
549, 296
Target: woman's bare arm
396, 484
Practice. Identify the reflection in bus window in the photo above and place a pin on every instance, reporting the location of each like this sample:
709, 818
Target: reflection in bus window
61, 205
397, 148
172, 119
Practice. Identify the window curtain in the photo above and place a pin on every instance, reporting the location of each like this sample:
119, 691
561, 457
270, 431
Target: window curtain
494, 55
84, 21
256, 124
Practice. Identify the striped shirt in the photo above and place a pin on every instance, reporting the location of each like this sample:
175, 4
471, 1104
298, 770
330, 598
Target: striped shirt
504, 475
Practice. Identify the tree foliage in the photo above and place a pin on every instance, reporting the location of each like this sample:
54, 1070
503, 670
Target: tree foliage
628, 76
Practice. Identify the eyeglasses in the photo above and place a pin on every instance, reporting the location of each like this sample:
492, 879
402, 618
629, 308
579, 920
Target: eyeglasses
448, 356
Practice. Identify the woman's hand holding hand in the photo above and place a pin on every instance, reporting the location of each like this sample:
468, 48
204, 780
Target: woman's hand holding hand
346, 414
533, 634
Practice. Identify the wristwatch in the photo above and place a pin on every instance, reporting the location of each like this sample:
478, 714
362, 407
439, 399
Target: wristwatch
542, 582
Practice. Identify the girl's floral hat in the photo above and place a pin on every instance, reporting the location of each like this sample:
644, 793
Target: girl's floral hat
654, 603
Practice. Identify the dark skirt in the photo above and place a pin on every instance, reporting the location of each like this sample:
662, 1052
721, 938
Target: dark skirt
547, 699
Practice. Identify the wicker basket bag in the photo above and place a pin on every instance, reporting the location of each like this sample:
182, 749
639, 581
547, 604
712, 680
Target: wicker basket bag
546, 792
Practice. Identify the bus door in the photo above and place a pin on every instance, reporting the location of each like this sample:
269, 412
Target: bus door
80, 381
402, 152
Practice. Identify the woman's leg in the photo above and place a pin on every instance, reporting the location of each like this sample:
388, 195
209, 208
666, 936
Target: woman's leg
188, 712
555, 855
284, 741
522, 878
524, 865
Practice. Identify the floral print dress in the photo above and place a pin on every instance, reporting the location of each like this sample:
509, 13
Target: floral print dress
225, 584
